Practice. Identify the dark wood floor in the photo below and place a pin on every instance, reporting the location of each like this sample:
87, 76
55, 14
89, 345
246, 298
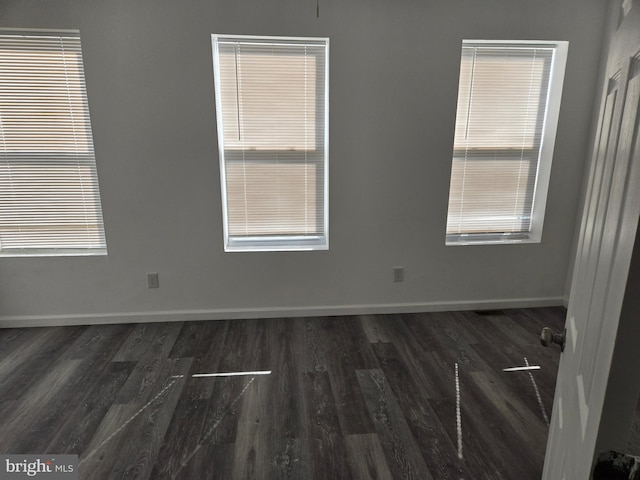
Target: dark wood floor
348, 397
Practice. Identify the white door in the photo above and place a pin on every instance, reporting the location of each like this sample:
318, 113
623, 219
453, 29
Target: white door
605, 247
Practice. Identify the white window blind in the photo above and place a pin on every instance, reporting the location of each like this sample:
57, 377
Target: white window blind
49, 199
502, 123
271, 101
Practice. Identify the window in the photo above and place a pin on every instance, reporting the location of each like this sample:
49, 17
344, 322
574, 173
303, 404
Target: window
49, 199
508, 104
272, 112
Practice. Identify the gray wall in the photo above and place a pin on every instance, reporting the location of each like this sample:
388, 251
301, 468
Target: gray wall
393, 84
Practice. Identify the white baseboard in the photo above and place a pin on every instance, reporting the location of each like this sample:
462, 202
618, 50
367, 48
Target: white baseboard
270, 312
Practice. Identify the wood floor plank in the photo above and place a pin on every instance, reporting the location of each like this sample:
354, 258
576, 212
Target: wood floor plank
374, 327
250, 452
440, 367
140, 436
434, 334
7, 407
284, 396
150, 367
414, 357
189, 339
202, 341
353, 416
289, 463
93, 351
262, 447
209, 462
269, 425
82, 423
343, 358
492, 447
23, 423
103, 451
324, 440
18, 339
244, 348
27, 366
480, 326
181, 442
366, 457
534, 319
206, 354
394, 328
98, 338
498, 358
454, 329
516, 332
350, 340
220, 423
137, 342
438, 449
524, 422
633, 445
479, 443
141, 446
403, 455
307, 346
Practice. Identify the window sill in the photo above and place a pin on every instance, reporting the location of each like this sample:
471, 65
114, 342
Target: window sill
53, 253
491, 239
278, 244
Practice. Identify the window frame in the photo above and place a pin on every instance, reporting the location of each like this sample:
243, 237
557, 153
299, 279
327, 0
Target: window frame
545, 157
56, 158
272, 243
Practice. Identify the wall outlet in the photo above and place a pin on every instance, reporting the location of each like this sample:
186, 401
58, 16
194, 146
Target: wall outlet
398, 274
152, 280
